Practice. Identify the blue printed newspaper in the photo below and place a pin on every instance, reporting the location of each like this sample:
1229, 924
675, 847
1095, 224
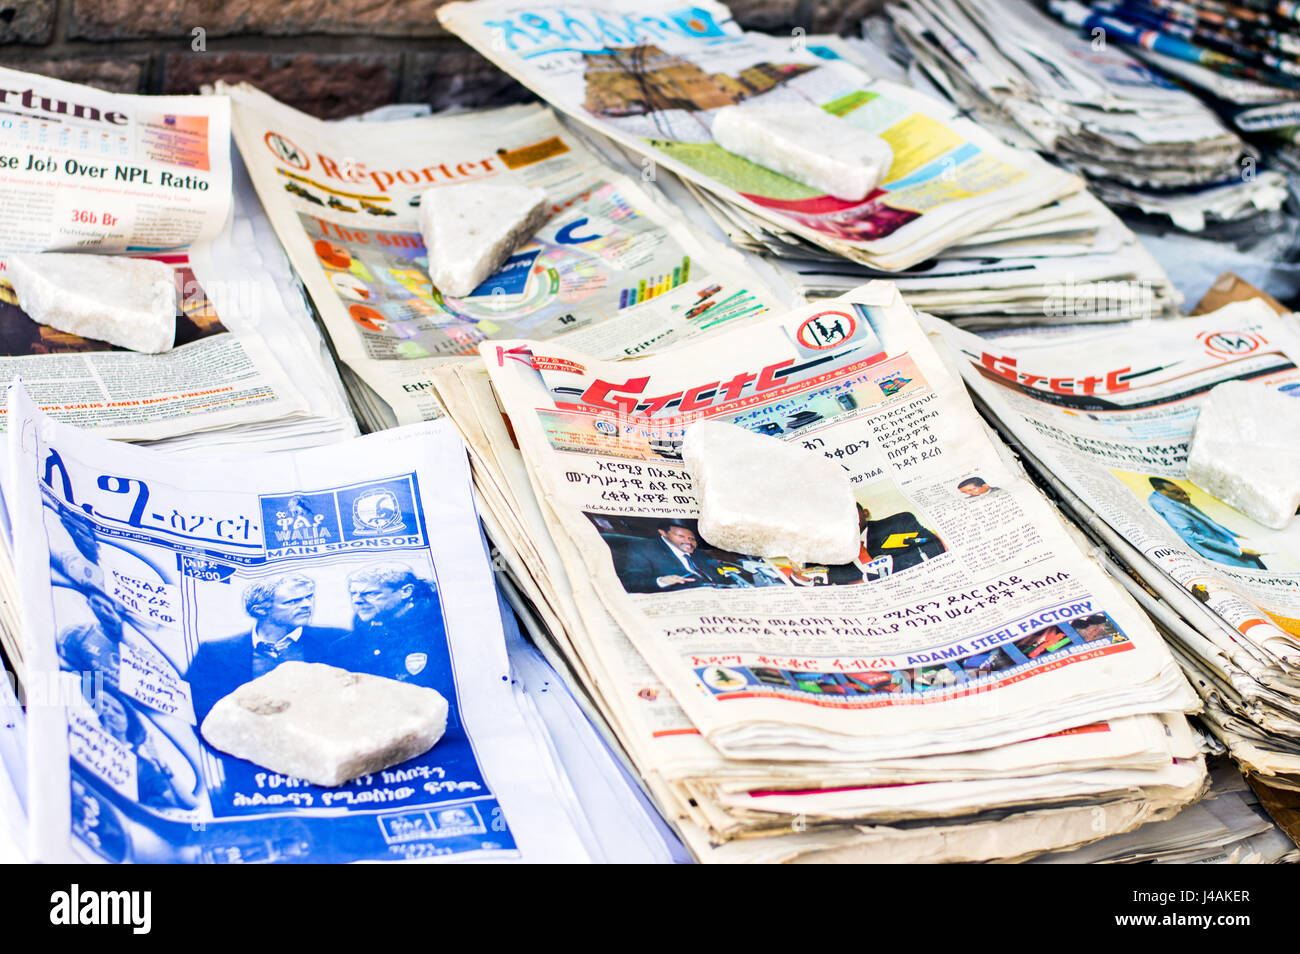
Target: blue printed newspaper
152, 586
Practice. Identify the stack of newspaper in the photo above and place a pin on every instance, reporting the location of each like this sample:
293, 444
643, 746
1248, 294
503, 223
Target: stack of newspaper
1144, 143
1242, 58
103, 173
613, 269
654, 85
1072, 261
968, 226
971, 687
1228, 826
1104, 420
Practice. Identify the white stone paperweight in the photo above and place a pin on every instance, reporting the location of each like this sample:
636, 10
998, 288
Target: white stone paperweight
325, 724
471, 229
1246, 451
129, 302
765, 497
807, 144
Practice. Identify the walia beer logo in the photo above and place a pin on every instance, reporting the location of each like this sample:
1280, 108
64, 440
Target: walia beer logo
300, 520
377, 512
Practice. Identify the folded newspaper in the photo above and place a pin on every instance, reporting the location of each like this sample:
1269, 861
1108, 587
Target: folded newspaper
971, 668
613, 270
150, 587
1228, 826
1069, 261
1105, 420
654, 83
105, 173
1072, 261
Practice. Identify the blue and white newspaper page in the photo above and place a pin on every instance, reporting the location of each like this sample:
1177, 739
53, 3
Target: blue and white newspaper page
152, 587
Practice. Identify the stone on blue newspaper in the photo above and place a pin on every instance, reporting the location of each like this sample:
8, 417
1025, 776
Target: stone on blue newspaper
325, 724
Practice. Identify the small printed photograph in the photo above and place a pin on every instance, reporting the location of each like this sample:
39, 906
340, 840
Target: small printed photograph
198, 316
723, 679
822, 683
660, 555
165, 778
975, 486
1208, 527
887, 681
894, 537
934, 677
892, 384
771, 677
983, 664
96, 822
1095, 627
1044, 641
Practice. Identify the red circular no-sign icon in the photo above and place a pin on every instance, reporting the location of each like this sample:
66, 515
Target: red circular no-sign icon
1233, 344
826, 329
286, 151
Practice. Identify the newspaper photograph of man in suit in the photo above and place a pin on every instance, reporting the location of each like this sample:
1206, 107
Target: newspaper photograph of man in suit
662, 555
281, 610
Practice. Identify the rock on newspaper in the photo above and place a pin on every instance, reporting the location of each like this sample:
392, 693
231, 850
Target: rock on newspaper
969, 620
612, 269
653, 82
82, 170
140, 577
1107, 420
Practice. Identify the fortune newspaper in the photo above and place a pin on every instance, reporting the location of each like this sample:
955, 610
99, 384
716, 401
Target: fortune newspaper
86, 171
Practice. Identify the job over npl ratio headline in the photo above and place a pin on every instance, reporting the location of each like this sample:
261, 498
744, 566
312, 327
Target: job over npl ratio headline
72, 166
